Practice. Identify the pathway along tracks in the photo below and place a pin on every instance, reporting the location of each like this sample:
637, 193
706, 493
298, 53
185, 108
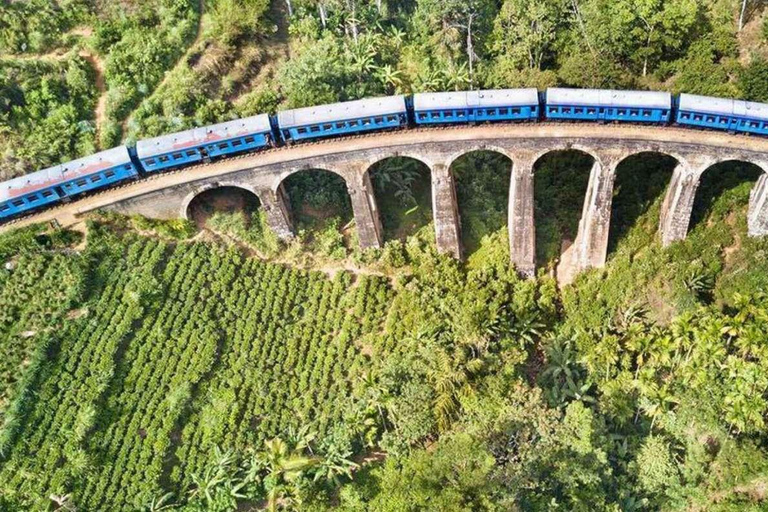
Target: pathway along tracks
68, 214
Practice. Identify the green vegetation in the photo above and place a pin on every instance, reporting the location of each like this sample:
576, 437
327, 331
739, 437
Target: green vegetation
145, 366
159, 372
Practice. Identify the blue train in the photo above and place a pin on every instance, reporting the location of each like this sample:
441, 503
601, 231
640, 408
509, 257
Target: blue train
101, 170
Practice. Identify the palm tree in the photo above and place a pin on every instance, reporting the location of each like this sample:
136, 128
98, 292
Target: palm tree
284, 467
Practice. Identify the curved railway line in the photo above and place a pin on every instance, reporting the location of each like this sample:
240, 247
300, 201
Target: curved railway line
68, 214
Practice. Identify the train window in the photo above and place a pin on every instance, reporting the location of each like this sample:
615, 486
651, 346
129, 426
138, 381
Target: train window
697, 118
47, 193
4, 208
314, 129
379, 120
621, 112
505, 111
646, 113
177, 156
236, 143
32, 197
591, 111
81, 183
684, 116
128, 167
327, 127
392, 119
18, 203
223, 145
710, 119
354, 124
109, 174
723, 120
149, 161
302, 130
578, 110
552, 110
422, 115
163, 159
461, 114
95, 179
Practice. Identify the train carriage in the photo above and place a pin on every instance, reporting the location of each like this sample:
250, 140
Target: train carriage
193, 145
608, 105
51, 185
472, 106
342, 118
722, 114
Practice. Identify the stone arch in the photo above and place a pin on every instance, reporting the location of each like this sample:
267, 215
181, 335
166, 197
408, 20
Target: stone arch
706, 193
559, 148
474, 148
482, 199
561, 213
406, 213
184, 211
282, 176
635, 192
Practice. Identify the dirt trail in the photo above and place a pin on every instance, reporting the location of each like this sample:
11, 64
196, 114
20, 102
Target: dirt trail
168, 73
96, 63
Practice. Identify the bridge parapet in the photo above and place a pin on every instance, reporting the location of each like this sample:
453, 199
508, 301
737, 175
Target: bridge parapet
166, 195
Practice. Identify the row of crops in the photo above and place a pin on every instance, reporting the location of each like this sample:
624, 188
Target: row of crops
152, 356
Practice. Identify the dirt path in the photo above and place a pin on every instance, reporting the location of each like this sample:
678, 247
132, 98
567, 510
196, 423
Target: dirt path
96, 63
168, 73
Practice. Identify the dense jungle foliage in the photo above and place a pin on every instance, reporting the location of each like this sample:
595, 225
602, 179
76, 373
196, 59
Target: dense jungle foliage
150, 365
147, 370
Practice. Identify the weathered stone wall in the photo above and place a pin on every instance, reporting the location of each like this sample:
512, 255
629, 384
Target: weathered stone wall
590, 246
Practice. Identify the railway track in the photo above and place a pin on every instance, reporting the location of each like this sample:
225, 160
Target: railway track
670, 131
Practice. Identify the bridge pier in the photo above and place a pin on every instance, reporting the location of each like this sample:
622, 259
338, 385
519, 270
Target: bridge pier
522, 230
364, 209
445, 209
676, 209
278, 211
757, 217
590, 249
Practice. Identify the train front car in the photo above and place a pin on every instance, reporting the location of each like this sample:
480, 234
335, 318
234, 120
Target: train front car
189, 146
722, 114
342, 118
608, 105
476, 106
49, 186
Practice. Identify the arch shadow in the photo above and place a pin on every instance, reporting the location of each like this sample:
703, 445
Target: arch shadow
560, 178
201, 205
317, 197
723, 187
638, 191
402, 186
482, 190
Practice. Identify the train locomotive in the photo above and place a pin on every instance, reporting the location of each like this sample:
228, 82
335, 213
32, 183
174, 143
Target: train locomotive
105, 169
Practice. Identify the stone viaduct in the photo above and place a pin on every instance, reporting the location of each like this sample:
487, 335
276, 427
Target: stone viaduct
168, 196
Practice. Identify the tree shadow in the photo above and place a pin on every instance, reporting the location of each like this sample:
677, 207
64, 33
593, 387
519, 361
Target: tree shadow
640, 182
403, 189
721, 188
560, 185
316, 196
482, 189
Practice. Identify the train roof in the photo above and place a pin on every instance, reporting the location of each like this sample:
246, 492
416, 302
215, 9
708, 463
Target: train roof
64, 172
728, 106
204, 135
341, 111
464, 99
608, 97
